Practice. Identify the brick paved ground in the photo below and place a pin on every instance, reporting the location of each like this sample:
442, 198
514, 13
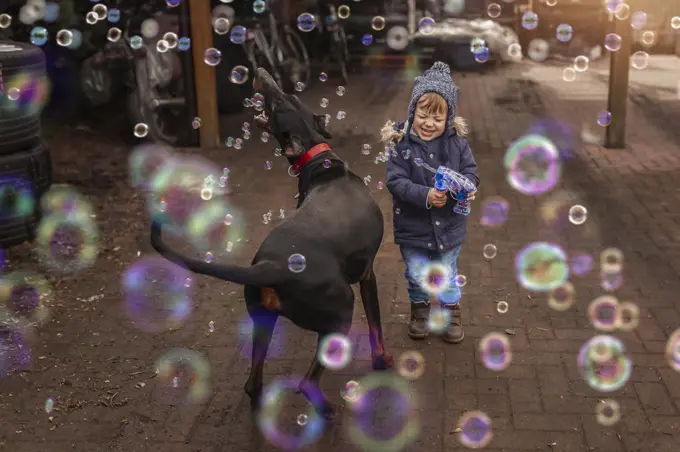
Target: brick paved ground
93, 362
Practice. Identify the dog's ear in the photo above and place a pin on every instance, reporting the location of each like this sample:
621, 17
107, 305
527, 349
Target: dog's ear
320, 126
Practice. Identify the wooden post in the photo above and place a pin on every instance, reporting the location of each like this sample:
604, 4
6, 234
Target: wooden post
204, 75
619, 68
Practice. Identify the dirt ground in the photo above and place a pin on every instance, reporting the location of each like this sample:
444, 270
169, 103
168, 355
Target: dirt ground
98, 367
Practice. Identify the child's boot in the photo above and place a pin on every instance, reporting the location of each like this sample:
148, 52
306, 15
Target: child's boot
454, 333
417, 326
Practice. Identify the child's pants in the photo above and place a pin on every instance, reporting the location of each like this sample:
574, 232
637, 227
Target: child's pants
417, 260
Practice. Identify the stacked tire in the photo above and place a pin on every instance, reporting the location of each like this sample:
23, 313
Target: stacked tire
25, 163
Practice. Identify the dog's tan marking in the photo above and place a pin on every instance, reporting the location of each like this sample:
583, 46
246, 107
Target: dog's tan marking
270, 300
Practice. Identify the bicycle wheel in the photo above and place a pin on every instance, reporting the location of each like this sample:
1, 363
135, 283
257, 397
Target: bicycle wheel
290, 63
339, 53
258, 58
303, 72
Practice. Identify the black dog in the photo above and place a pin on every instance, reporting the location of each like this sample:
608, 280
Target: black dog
337, 228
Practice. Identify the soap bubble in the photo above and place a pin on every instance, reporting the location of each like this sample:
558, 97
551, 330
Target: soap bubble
493, 10
541, 266
494, 351
184, 377
639, 60
438, 320
494, 211
561, 298
564, 32
335, 351
212, 56
297, 263
629, 316
673, 350
612, 42
603, 363
568, 74
378, 23
530, 20
638, 20
434, 277
604, 314
604, 118
533, 165
238, 34
611, 260
306, 22
474, 430
343, 11
239, 75
309, 425
155, 294
411, 365
391, 396
578, 214
581, 63
489, 251
607, 412
426, 25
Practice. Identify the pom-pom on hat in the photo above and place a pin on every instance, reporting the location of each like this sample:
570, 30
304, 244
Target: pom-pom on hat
438, 80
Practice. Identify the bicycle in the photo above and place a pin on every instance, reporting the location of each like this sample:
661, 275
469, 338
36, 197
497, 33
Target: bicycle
280, 51
154, 94
337, 42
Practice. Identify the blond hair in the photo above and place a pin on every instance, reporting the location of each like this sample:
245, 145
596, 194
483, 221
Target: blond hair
433, 104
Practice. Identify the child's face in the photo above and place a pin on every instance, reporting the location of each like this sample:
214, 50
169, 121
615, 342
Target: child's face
429, 125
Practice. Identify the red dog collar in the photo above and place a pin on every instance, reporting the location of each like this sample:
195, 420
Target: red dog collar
307, 156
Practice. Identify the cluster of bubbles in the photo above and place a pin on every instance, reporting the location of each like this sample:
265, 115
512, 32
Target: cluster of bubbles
65, 242
16, 337
181, 193
185, 194
611, 269
607, 314
41, 11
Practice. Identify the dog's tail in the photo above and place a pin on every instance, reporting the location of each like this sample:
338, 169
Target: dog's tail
262, 274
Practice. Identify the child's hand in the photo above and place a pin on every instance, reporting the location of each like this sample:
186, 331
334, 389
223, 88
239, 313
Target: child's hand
436, 198
471, 196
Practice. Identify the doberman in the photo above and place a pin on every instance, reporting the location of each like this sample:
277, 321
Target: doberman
333, 237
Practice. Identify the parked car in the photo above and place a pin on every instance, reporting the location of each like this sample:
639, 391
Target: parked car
25, 163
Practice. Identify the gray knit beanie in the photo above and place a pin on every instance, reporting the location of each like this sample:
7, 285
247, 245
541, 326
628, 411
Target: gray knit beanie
438, 80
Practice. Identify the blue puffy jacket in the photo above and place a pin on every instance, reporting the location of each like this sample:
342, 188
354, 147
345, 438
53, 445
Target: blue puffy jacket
416, 225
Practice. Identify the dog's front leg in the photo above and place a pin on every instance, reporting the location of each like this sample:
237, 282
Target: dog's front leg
368, 286
309, 386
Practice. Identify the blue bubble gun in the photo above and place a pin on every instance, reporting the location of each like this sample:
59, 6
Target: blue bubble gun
461, 187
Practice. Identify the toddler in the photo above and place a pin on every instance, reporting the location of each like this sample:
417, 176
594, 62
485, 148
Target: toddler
425, 226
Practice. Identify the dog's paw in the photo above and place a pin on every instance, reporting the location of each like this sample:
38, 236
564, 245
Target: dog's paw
383, 362
255, 395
